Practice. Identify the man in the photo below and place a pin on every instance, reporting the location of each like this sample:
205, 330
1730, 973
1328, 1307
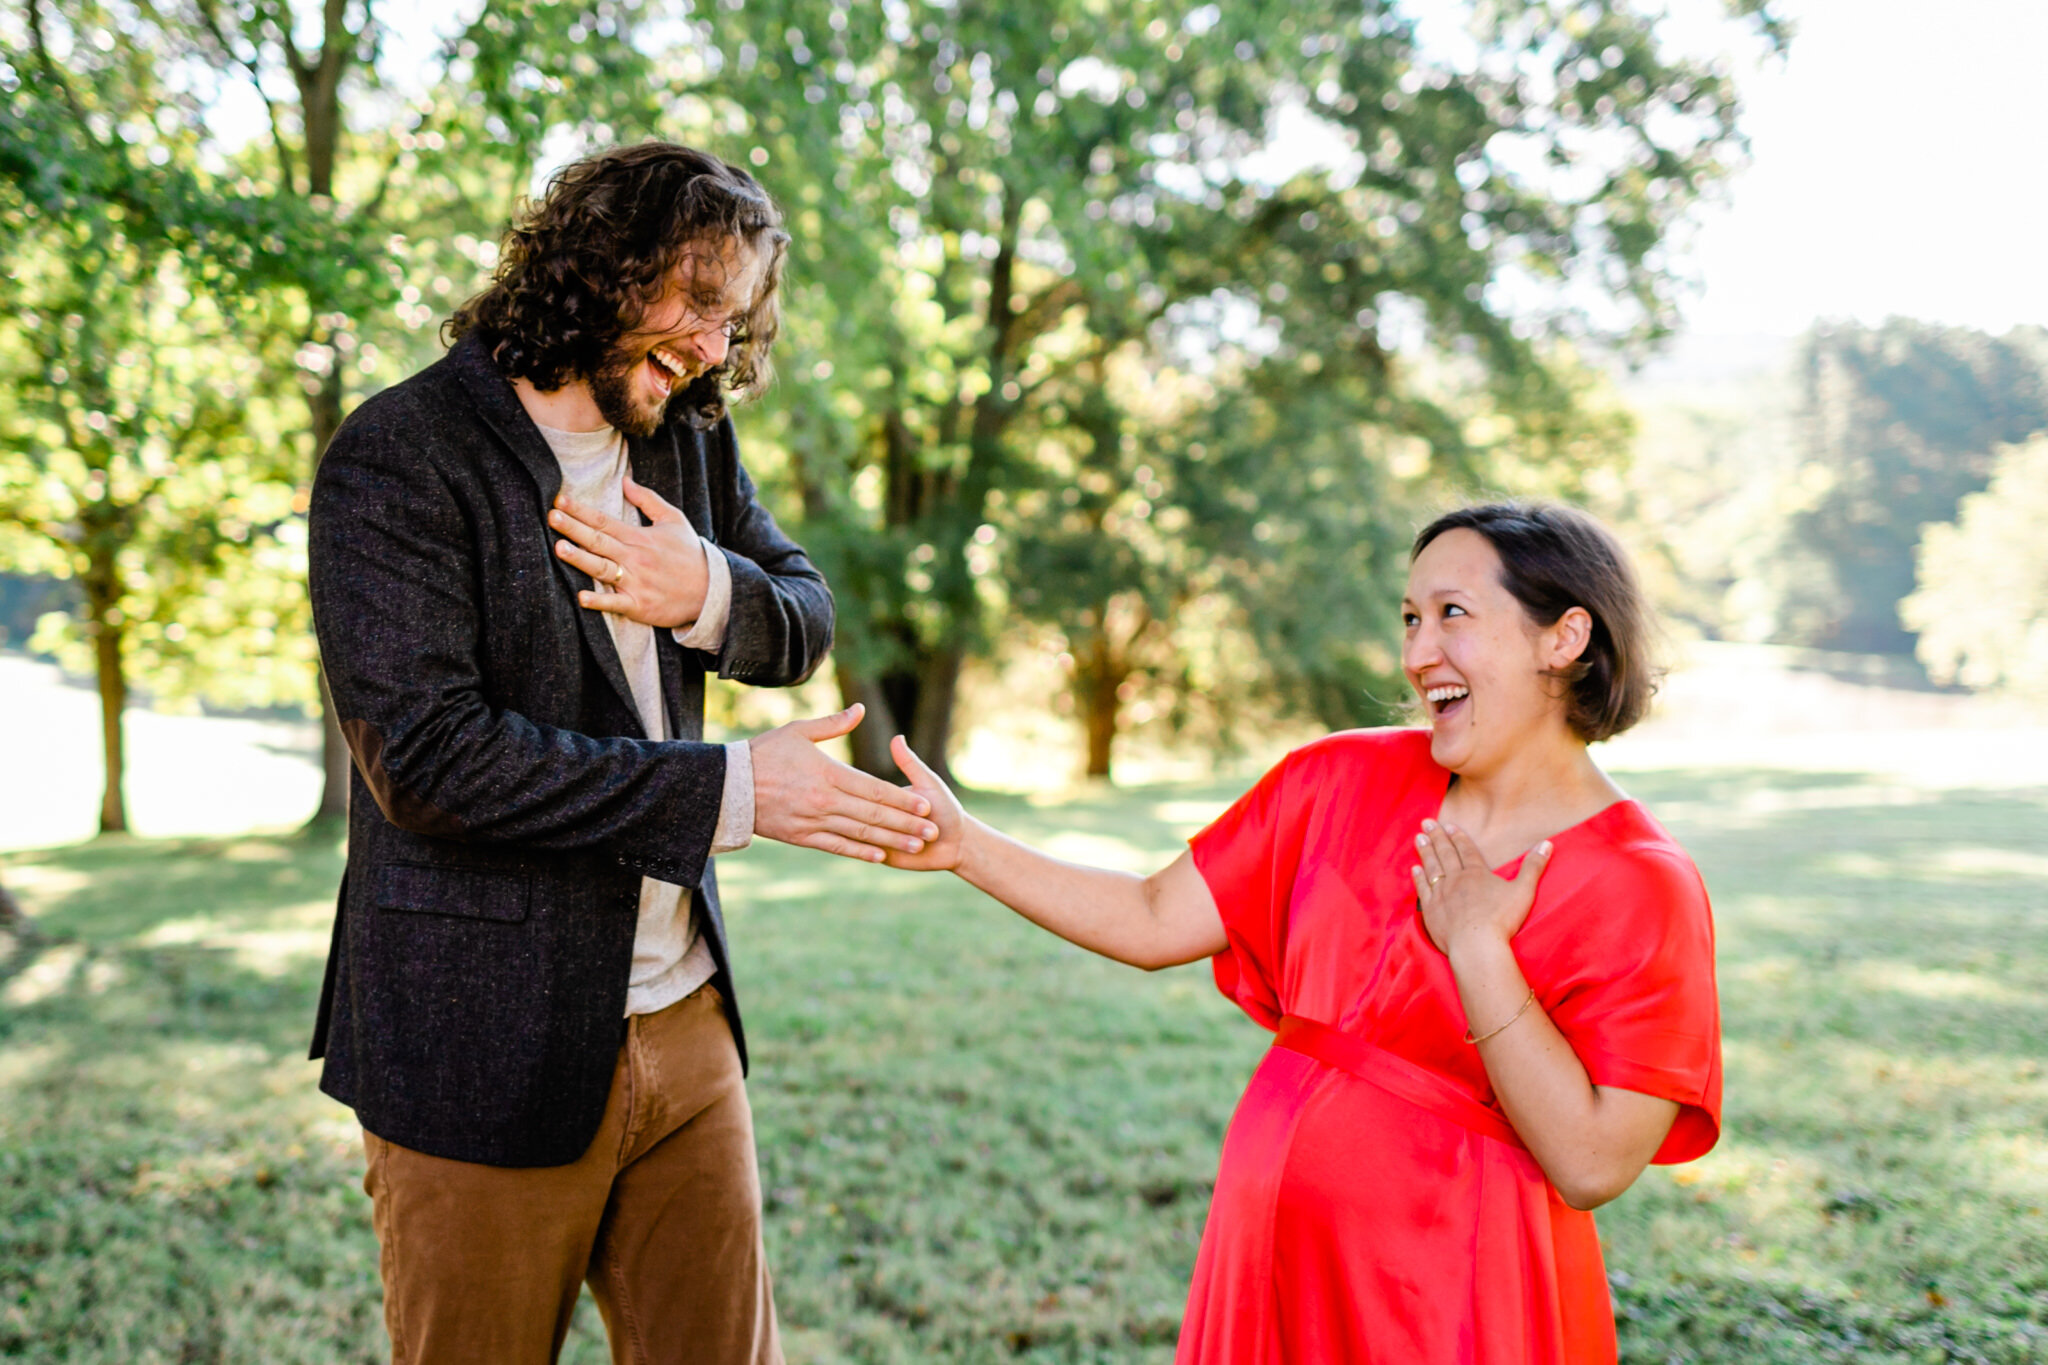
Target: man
529, 1001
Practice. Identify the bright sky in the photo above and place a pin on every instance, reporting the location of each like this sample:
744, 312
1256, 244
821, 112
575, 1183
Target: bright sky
1898, 167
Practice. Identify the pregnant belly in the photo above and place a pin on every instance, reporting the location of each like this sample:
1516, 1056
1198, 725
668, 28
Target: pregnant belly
1374, 1230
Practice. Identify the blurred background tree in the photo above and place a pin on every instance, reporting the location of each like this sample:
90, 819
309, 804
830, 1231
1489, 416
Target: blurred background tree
1981, 610
145, 470
1897, 424
141, 458
1782, 491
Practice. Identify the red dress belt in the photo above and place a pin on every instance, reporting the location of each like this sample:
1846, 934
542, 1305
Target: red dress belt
1396, 1075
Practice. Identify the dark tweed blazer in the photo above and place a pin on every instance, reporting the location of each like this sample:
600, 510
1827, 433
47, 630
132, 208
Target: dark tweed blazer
506, 801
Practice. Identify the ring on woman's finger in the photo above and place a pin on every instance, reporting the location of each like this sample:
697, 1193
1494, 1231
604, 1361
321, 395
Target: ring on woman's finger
1437, 878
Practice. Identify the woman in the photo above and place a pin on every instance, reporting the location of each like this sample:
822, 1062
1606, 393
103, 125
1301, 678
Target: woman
1489, 971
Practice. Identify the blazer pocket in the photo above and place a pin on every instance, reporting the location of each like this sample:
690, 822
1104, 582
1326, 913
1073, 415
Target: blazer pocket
419, 889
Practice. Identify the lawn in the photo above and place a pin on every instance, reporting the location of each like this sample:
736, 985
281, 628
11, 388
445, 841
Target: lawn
979, 1144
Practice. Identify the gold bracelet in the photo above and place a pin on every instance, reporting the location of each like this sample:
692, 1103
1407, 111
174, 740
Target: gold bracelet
1511, 1019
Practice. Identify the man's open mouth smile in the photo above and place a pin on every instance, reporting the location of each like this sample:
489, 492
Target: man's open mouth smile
666, 367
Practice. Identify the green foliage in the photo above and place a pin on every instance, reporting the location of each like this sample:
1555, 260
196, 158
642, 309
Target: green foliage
978, 1144
1704, 500
1900, 423
1012, 226
995, 210
100, 122
141, 454
1981, 611
314, 259
144, 461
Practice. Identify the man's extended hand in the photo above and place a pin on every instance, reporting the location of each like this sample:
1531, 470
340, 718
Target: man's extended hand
802, 797
652, 574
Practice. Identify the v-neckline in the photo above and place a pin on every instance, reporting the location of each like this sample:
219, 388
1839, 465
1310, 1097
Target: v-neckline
1513, 865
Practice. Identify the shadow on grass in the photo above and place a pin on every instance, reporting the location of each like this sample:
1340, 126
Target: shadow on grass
978, 1143
1884, 984
116, 888
171, 1188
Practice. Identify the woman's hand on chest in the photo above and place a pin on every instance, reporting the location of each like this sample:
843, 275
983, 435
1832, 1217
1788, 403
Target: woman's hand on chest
1463, 901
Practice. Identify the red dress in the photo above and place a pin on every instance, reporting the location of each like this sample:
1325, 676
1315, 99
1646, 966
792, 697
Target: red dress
1373, 1205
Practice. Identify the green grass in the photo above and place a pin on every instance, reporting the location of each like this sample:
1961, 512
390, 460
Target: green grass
979, 1144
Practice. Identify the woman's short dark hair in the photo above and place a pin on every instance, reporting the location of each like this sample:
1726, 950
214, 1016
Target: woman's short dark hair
579, 269
1552, 559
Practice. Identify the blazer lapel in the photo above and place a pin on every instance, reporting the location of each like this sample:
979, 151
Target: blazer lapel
499, 406
669, 463
663, 464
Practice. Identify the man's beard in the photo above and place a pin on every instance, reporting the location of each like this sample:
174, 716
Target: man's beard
611, 388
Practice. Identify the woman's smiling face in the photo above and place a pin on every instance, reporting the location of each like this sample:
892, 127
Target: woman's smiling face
1480, 665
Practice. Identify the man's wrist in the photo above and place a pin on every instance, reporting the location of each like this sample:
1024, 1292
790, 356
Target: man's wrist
707, 630
703, 598
736, 807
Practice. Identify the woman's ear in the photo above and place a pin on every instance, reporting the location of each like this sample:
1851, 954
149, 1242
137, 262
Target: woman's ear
1570, 636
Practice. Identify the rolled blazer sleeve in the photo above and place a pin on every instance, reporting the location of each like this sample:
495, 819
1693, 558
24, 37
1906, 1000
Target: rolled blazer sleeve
399, 601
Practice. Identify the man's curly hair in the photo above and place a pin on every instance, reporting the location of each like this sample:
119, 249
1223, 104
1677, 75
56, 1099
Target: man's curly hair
579, 269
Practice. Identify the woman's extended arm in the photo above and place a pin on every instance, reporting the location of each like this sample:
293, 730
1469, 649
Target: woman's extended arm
1158, 921
1592, 1141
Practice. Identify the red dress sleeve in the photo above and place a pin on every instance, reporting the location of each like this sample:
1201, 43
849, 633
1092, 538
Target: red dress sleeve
1638, 1003
1249, 856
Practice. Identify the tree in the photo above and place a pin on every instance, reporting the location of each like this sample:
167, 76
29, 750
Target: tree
359, 216
1981, 609
401, 205
1900, 423
1099, 552
140, 466
991, 204
138, 461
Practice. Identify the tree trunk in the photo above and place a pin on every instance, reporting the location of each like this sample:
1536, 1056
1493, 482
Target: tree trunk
14, 920
915, 701
319, 85
324, 408
930, 725
113, 686
1105, 658
1096, 684
870, 740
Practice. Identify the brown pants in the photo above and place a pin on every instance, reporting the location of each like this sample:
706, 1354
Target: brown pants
482, 1265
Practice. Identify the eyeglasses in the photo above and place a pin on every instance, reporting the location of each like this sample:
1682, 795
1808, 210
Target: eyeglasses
729, 329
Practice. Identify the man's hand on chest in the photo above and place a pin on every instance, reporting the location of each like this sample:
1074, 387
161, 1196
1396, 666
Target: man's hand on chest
660, 574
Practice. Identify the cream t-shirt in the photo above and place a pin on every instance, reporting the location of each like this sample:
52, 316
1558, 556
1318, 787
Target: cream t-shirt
670, 955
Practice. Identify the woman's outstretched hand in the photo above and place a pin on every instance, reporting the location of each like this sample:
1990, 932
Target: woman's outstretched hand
1158, 921
943, 853
1462, 900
